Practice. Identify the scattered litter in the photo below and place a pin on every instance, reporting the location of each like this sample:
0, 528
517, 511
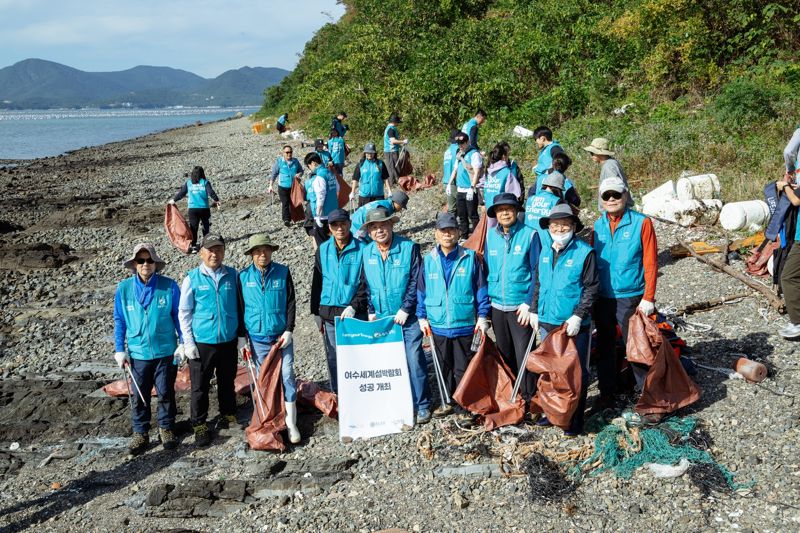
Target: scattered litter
667, 471
709, 477
522, 132
619, 111
14, 446
546, 481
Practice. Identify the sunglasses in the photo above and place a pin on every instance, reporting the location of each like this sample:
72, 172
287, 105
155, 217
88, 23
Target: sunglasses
608, 195
141, 261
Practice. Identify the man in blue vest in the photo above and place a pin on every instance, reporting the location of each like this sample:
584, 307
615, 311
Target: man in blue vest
449, 160
466, 173
548, 148
391, 147
511, 252
395, 204
471, 127
369, 177
336, 285
337, 123
199, 190
211, 322
268, 308
322, 191
452, 304
566, 287
285, 169
337, 151
539, 205
281, 124
146, 319
627, 263
391, 266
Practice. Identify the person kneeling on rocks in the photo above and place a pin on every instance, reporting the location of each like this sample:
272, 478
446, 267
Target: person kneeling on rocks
452, 305
210, 322
267, 297
394, 204
199, 190
146, 319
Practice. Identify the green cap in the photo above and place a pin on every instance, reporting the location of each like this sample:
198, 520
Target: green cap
259, 239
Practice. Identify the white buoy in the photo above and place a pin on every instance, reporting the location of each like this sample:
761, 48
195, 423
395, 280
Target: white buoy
702, 187
751, 215
665, 191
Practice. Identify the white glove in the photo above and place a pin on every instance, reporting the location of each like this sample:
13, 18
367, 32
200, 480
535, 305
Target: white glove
352, 194
534, 322
179, 355
318, 221
425, 326
647, 307
318, 322
482, 324
470, 194
573, 325
523, 314
348, 312
270, 190
449, 190
372, 317
405, 141
191, 352
121, 358
171, 201
400, 317
285, 340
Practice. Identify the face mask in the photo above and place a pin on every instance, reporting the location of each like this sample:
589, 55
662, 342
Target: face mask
561, 239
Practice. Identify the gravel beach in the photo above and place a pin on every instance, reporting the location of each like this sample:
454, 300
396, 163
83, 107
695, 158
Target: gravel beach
66, 226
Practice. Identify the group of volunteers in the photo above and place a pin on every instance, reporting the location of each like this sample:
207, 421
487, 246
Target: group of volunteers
535, 276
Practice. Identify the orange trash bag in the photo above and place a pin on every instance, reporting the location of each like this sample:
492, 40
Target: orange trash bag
477, 241
412, 184
344, 191
297, 197
309, 394
269, 417
558, 390
486, 387
667, 386
178, 231
183, 383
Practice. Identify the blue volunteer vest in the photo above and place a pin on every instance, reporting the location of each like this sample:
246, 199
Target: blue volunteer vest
198, 197
387, 145
449, 158
537, 207
360, 215
336, 148
150, 333
340, 274
561, 280
495, 184
619, 257
509, 269
388, 280
282, 119
371, 182
468, 126
452, 306
216, 314
264, 300
463, 179
331, 200
325, 156
287, 171
544, 162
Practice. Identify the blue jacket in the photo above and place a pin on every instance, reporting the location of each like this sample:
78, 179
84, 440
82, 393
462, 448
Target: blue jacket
216, 313
370, 178
148, 328
495, 184
620, 261
392, 284
285, 171
561, 280
448, 160
539, 206
336, 148
463, 179
510, 265
331, 198
387, 145
544, 161
264, 297
341, 272
360, 214
198, 197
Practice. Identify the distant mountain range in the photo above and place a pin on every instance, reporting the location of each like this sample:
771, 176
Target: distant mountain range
40, 84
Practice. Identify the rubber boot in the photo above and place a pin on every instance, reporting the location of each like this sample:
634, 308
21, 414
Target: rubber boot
291, 422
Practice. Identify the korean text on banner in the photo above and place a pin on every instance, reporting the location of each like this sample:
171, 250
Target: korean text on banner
374, 388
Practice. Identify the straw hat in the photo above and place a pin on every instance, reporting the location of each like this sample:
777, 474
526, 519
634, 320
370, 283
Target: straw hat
599, 146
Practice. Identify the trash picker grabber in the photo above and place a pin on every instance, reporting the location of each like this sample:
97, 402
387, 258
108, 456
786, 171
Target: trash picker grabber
135, 385
443, 393
128, 388
254, 383
522, 369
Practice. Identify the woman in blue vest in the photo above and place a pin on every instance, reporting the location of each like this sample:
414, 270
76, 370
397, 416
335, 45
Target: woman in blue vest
213, 334
322, 191
539, 205
285, 170
337, 151
199, 190
391, 147
337, 123
515, 170
146, 320
511, 253
369, 177
324, 155
269, 309
452, 305
566, 287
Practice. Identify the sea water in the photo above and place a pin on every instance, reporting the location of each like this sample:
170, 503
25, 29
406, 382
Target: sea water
29, 134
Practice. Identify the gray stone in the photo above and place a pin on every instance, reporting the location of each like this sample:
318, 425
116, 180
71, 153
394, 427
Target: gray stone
158, 495
233, 489
479, 470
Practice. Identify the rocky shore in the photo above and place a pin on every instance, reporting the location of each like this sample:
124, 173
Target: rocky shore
68, 222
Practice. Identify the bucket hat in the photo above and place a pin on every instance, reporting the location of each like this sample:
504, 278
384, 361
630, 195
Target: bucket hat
259, 239
151, 249
599, 146
559, 212
379, 214
505, 198
369, 148
555, 179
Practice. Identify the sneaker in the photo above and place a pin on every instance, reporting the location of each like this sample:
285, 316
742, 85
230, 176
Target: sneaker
790, 331
423, 416
443, 410
139, 443
168, 440
202, 437
227, 421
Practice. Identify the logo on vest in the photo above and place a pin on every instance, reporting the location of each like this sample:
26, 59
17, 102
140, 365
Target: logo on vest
517, 249
276, 284
372, 261
545, 259
569, 263
129, 307
433, 275
461, 272
626, 234
396, 262
493, 253
204, 287
162, 302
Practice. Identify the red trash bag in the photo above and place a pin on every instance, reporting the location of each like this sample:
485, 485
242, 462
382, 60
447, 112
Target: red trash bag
756, 264
486, 387
178, 231
477, 241
344, 191
403, 164
310, 395
558, 390
264, 431
297, 198
667, 386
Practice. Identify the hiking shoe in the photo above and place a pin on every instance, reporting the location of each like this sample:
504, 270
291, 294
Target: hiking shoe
202, 437
168, 440
139, 443
443, 410
790, 331
227, 421
423, 416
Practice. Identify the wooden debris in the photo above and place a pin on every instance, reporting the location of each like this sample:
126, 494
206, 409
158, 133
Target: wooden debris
710, 304
701, 247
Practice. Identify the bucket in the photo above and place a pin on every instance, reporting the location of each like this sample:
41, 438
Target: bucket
750, 215
702, 187
663, 191
258, 127
751, 370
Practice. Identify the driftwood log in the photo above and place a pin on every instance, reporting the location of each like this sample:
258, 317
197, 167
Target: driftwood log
774, 300
710, 304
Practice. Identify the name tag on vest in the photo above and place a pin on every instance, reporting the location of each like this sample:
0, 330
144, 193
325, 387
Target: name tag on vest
372, 261
251, 284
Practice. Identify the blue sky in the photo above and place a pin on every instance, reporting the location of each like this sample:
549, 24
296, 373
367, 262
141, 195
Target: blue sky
202, 36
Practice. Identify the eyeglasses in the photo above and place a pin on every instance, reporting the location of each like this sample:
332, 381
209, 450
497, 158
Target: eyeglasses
608, 195
141, 261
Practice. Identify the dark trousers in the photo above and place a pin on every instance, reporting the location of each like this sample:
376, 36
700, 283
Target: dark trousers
364, 200
160, 372
582, 340
467, 213
512, 341
319, 234
284, 194
390, 158
790, 283
196, 216
221, 359
607, 313
454, 355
